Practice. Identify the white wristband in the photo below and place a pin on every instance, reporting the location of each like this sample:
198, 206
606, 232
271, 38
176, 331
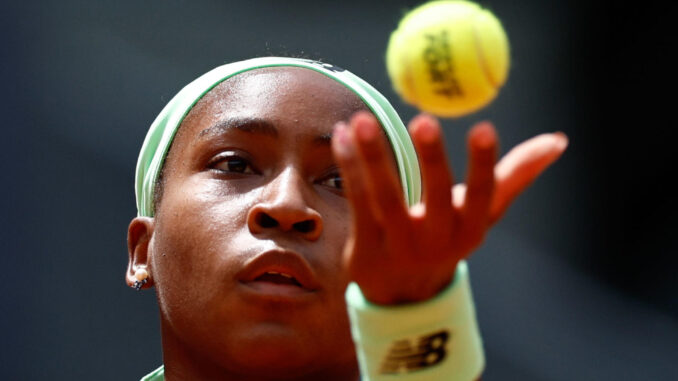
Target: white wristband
437, 339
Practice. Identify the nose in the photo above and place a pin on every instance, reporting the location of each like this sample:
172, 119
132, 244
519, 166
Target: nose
284, 207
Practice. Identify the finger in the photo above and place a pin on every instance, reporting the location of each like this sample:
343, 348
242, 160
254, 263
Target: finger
353, 183
386, 194
482, 142
437, 176
521, 166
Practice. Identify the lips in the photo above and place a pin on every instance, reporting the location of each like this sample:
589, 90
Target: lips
279, 272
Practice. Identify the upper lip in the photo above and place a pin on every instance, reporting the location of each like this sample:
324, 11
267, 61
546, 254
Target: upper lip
279, 261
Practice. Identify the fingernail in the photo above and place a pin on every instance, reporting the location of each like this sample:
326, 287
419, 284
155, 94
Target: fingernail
427, 132
563, 140
483, 135
341, 136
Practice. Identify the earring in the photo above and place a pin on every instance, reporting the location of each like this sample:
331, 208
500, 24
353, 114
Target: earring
142, 277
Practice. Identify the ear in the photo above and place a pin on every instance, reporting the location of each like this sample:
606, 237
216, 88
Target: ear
139, 236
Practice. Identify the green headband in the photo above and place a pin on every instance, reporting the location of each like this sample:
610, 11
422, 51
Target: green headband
163, 129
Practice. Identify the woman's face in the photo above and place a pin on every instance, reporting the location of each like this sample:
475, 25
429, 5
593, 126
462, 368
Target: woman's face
247, 240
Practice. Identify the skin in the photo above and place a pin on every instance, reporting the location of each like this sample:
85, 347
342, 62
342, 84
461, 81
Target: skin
233, 193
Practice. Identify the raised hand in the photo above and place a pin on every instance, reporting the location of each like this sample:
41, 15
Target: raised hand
398, 254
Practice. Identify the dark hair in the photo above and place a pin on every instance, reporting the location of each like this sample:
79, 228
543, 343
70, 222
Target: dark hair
158, 189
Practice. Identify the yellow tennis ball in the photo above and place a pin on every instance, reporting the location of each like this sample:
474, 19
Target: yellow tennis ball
448, 57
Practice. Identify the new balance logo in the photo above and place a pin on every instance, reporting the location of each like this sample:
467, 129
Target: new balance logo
405, 356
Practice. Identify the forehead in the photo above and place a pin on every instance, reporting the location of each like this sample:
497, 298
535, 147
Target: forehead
288, 97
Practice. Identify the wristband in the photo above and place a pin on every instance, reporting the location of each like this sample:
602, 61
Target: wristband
437, 339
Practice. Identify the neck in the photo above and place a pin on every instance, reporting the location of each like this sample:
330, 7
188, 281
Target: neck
183, 363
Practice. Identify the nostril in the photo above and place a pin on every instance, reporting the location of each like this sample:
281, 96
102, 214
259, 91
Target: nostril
305, 226
266, 221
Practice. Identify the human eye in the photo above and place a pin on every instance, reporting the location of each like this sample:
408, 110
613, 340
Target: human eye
332, 179
231, 162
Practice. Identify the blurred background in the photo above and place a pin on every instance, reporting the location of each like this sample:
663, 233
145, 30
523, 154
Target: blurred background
578, 282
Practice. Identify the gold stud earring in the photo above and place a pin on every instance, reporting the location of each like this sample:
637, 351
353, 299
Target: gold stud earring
142, 277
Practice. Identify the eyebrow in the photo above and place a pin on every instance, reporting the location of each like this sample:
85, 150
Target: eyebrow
255, 126
251, 125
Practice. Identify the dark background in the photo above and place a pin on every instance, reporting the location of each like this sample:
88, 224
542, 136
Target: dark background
578, 282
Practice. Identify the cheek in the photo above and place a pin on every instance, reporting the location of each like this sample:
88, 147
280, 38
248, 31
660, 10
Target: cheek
202, 216
336, 227
198, 245
339, 217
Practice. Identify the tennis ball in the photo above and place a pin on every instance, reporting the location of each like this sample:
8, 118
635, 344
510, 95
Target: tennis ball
448, 57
